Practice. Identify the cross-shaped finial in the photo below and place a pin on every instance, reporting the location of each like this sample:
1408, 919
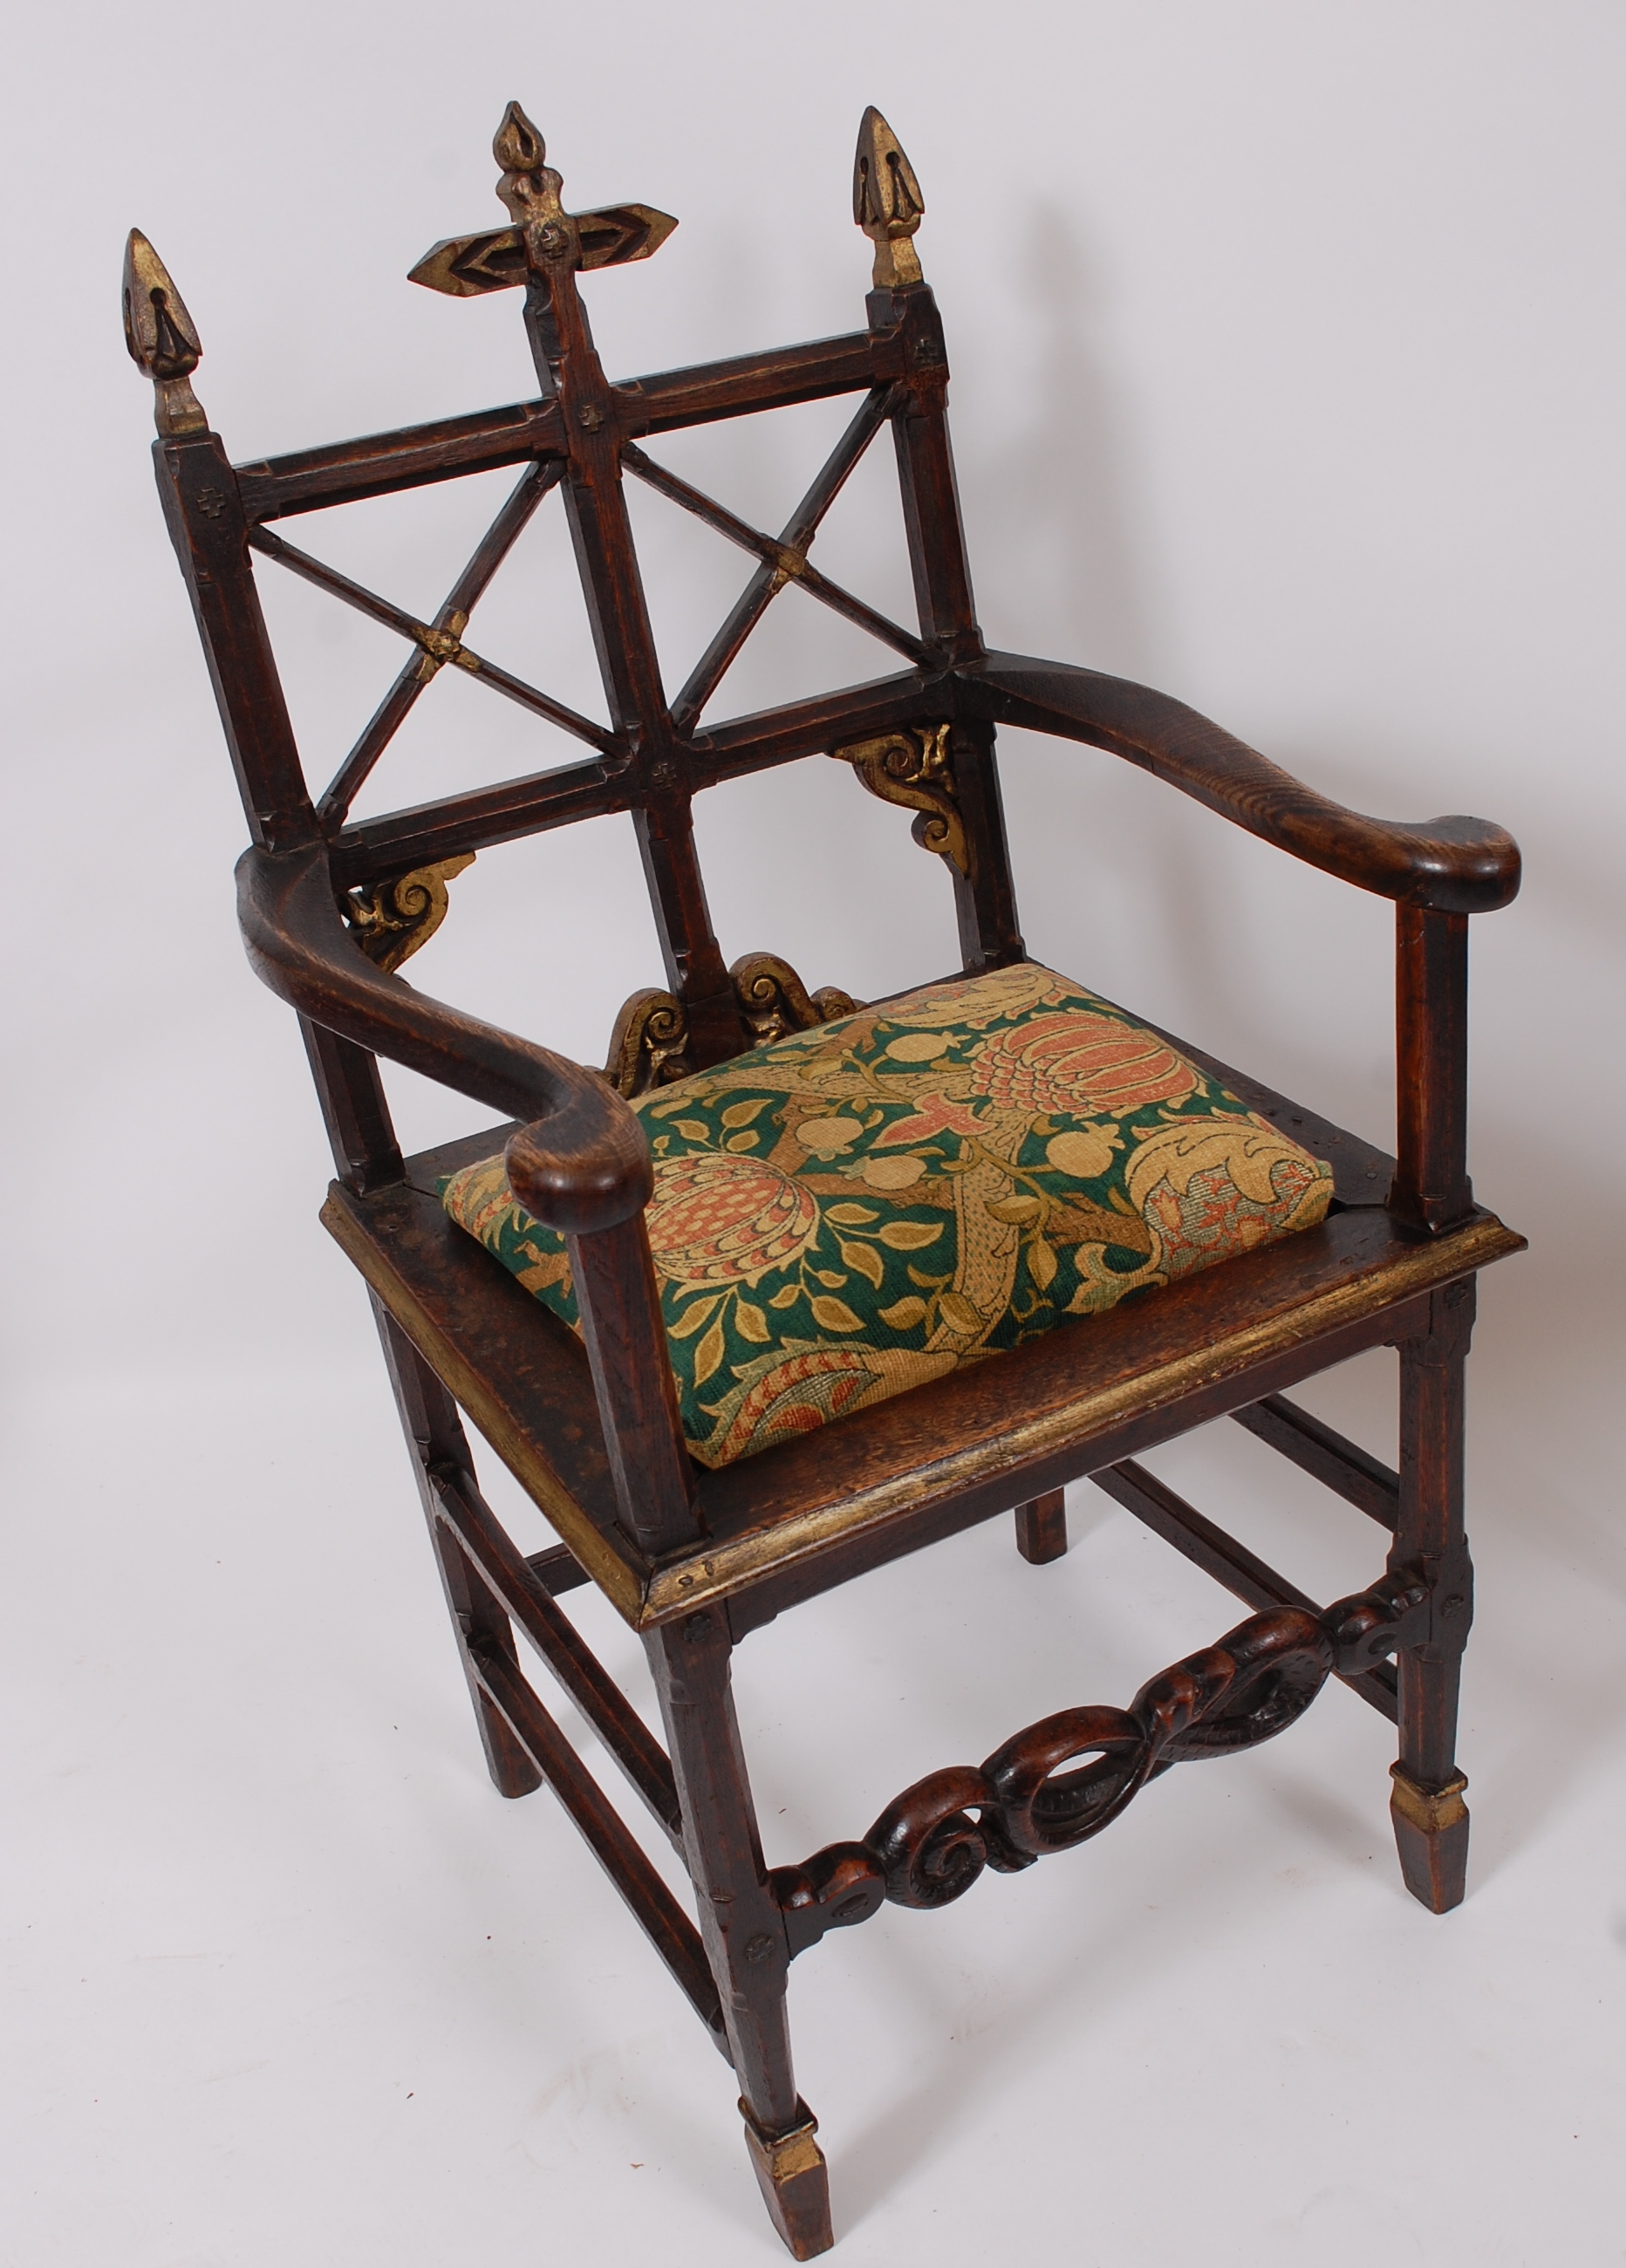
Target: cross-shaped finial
886, 201
544, 233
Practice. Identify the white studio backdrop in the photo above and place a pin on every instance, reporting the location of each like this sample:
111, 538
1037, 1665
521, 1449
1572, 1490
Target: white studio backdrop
1288, 354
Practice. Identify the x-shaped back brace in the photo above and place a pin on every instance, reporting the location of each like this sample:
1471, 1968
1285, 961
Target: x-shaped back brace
543, 251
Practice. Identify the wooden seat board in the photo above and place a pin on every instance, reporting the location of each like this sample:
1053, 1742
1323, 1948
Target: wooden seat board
794, 1519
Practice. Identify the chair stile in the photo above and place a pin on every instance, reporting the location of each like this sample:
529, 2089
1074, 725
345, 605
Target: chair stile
695, 1559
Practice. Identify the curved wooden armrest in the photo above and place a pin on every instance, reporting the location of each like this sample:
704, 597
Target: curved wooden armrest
1449, 865
580, 1164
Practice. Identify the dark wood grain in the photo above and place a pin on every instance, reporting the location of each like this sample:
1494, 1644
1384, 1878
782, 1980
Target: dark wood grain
1057, 1784
516, 1586
931, 499
657, 1912
1432, 1188
795, 537
1041, 1528
1431, 1530
1339, 1464
589, 1425
1241, 1571
354, 1108
636, 1396
465, 595
412, 456
557, 1569
1454, 865
450, 448
792, 1521
435, 1437
740, 1921
746, 384
209, 529
582, 1161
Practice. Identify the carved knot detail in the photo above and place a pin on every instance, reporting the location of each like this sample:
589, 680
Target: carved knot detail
915, 768
1061, 1781
442, 645
390, 920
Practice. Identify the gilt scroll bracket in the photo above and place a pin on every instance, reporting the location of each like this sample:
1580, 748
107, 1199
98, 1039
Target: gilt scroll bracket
1057, 1783
774, 1001
648, 1047
392, 920
914, 768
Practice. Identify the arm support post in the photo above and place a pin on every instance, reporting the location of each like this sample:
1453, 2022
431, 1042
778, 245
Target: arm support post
580, 1164
1431, 1190
626, 1341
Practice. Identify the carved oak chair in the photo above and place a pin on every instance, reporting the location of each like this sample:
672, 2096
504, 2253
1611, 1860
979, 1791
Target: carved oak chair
719, 1414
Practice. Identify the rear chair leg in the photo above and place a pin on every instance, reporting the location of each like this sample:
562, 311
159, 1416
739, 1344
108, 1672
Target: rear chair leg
435, 1435
1431, 1819
1041, 1528
739, 1921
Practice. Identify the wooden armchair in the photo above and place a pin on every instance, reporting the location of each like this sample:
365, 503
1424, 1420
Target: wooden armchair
579, 1360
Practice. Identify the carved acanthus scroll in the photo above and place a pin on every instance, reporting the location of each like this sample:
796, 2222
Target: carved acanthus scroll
648, 1047
914, 768
390, 920
927, 1849
774, 1001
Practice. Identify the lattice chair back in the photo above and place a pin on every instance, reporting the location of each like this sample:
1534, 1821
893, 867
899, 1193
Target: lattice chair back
905, 737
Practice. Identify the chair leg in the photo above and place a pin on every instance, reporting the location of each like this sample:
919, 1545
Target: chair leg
740, 1922
1431, 1819
1041, 1528
434, 1432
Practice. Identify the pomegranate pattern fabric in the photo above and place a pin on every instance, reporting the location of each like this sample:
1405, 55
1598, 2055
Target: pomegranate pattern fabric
845, 1213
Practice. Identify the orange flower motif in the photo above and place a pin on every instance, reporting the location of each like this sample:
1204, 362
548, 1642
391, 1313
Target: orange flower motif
718, 1219
1075, 1056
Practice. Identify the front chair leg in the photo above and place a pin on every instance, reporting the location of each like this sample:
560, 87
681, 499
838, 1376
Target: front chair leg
1429, 1818
739, 1921
434, 1432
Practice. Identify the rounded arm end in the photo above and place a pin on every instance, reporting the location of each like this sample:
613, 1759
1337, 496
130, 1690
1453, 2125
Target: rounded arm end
577, 1171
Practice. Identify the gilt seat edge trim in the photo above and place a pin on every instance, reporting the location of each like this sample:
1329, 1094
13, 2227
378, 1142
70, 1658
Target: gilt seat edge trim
719, 1567
726, 1565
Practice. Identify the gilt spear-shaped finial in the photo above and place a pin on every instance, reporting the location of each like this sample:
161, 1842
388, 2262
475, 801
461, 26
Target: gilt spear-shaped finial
886, 201
162, 338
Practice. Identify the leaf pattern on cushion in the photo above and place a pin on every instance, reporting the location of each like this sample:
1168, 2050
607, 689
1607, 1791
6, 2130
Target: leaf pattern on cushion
842, 1214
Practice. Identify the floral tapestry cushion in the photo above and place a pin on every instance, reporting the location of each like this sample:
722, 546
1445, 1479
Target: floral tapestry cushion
844, 1213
